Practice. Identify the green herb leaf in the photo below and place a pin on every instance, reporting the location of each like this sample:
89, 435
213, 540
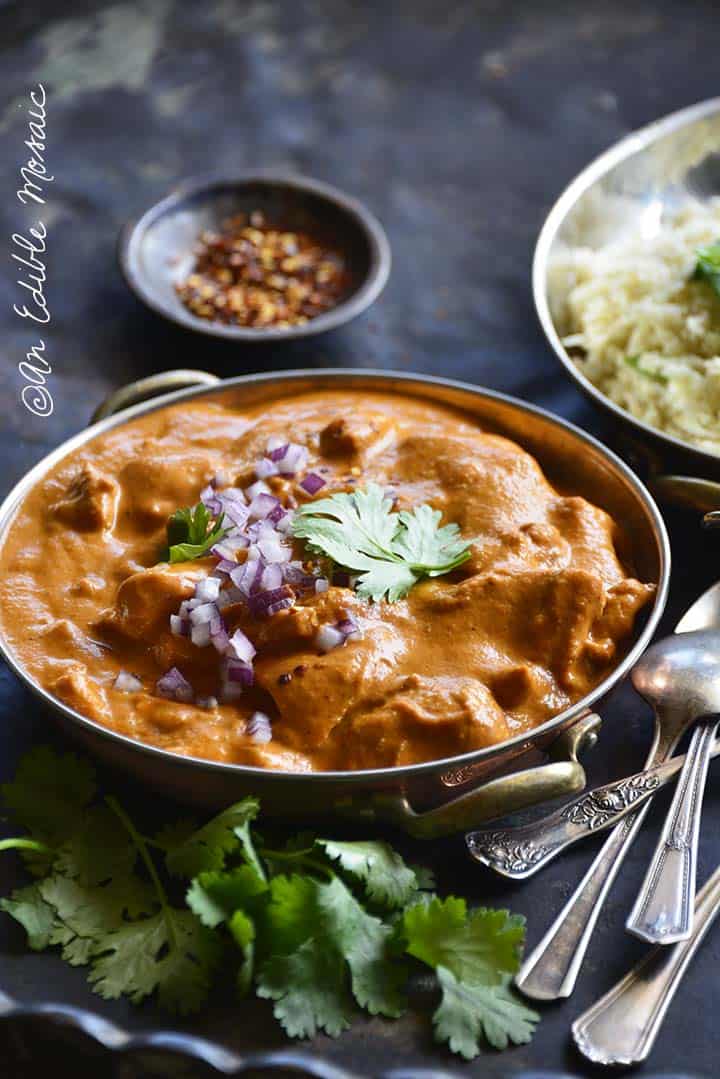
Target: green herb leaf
468, 1010
320, 934
309, 990
479, 946
707, 267
385, 876
171, 953
242, 929
190, 533
49, 794
390, 551
321, 927
35, 915
216, 896
207, 848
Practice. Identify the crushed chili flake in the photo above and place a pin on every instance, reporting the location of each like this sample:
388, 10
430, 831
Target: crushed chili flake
253, 274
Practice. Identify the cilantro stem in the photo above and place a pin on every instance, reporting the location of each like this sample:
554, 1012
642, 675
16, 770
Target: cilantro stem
20, 843
141, 847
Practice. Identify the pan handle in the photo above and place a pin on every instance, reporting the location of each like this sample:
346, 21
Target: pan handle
152, 386
561, 776
689, 491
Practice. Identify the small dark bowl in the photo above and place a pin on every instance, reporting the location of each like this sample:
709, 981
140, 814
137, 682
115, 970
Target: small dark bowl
156, 249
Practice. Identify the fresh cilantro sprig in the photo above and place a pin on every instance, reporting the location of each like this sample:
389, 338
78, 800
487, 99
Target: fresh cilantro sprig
391, 551
707, 267
319, 927
191, 532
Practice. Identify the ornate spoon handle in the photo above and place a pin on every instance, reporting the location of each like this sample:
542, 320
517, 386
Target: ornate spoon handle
622, 1026
523, 851
663, 910
551, 969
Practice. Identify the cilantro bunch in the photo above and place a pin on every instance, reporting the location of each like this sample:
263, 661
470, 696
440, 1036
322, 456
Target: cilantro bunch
320, 927
391, 551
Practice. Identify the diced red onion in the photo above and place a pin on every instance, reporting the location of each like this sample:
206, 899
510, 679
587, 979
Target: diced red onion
174, 686
219, 636
225, 565
127, 683
236, 671
237, 512
208, 589
321, 585
264, 604
274, 441
206, 702
179, 626
258, 488
272, 577
273, 550
277, 515
262, 505
230, 596
210, 500
312, 483
293, 460
265, 468
329, 637
200, 635
347, 625
259, 728
248, 577
233, 494
202, 613
278, 452
242, 647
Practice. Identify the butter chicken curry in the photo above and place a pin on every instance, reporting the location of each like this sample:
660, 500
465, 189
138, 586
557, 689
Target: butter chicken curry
184, 580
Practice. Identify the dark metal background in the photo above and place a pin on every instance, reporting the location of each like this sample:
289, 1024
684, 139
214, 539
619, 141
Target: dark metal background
458, 122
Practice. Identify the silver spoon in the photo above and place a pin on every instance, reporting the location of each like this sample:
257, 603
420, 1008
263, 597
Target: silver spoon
552, 968
622, 1026
680, 673
522, 851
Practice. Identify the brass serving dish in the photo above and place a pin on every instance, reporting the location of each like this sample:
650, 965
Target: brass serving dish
436, 797
653, 169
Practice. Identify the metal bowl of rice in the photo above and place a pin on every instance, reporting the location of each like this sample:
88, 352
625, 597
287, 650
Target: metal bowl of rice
624, 289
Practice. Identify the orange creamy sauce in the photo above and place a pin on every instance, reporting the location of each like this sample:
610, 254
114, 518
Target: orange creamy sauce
536, 618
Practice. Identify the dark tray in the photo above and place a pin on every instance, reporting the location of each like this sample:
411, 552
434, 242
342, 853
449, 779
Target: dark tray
458, 124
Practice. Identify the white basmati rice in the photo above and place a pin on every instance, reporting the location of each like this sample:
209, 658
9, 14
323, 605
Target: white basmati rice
650, 336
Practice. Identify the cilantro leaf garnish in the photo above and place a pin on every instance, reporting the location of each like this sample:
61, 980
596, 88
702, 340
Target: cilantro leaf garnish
320, 927
391, 551
191, 532
707, 267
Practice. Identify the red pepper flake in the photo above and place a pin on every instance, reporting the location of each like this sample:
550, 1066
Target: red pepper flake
255, 275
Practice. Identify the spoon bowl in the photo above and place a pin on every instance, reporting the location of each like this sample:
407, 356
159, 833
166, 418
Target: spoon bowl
682, 674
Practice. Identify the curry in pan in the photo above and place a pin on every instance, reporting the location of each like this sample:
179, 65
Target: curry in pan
333, 581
